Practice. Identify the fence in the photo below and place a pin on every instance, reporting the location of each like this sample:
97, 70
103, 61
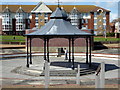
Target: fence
99, 75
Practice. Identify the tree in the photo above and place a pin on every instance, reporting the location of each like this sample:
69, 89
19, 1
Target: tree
116, 20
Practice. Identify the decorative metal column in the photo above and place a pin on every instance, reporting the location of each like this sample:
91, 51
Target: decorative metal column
30, 52
90, 51
69, 49
27, 54
86, 50
44, 48
48, 49
73, 53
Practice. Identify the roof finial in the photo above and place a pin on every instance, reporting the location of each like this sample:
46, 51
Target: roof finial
20, 4
59, 3
74, 4
7, 5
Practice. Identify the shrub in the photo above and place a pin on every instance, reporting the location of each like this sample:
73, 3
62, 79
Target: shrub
110, 34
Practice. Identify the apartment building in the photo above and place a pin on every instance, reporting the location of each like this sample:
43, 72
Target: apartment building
24, 17
117, 27
13, 20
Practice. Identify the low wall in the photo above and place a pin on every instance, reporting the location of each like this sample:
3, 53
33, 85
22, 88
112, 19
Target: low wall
55, 43
55, 49
16, 43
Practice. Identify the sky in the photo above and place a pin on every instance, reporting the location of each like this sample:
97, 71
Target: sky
111, 5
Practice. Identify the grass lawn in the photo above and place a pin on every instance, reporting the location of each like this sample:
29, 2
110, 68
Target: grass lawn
106, 39
12, 38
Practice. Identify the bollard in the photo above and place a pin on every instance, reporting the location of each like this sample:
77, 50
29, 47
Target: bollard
102, 75
97, 81
78, 75
47, 75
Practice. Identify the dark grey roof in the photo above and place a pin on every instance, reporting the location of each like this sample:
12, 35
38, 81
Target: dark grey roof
58, 27
64, 12
6, 10
20, 10
58, 13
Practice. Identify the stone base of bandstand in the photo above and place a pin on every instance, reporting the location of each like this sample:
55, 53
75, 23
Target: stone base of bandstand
60, 70
55, 49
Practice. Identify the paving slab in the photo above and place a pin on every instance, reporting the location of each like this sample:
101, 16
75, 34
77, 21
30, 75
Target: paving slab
15, 72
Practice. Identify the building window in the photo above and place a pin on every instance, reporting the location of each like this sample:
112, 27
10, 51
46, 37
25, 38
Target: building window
6, 21
36, 15
95, 20
19, 27
86, 21
46, 15
6, 15
104, 26
95, 14
74, 16
86, 14
41, 20
104, 20
19, 21
28, 14
19, 15
99, 12
74, 19
99, 20
83, 21
36, 20
99, 26
95, 26
6, 27
46, 20
104, 14
84, 26
82, 14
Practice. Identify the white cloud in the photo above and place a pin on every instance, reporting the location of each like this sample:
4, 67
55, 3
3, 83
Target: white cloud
112, 4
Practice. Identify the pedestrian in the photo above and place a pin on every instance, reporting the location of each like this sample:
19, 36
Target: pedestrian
66, 52
115, 33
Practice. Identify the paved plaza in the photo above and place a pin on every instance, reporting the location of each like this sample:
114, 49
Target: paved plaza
15, 72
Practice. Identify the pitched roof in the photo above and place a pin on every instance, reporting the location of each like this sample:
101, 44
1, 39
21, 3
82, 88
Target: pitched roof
14, 8
67, 8
57, 27
20, 10
75, 11
80, 8
94, 10
6, 10
58, 13
41, 7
